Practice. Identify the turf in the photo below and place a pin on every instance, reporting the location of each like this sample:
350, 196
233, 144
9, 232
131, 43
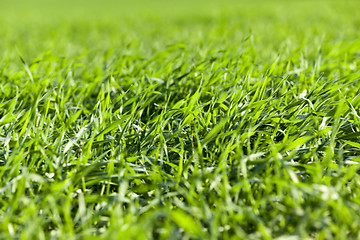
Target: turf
180, 120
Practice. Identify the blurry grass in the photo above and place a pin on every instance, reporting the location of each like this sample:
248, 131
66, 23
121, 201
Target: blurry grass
179, 120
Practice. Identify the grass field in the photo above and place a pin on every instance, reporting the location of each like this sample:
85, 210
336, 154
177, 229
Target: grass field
179, 120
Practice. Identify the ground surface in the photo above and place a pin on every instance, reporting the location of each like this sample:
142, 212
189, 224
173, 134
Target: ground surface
187, 119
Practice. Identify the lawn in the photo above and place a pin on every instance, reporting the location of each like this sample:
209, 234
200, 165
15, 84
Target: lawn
180, 120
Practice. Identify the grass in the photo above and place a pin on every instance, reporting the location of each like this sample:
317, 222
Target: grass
169, 120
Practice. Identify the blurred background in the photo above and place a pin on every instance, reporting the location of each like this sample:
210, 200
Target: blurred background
144, 28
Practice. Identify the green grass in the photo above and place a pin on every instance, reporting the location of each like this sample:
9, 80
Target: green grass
180, 120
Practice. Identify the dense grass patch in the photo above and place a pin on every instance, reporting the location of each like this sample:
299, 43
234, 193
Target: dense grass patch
194, 120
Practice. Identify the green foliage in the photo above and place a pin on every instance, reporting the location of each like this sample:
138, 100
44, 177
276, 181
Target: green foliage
180, 120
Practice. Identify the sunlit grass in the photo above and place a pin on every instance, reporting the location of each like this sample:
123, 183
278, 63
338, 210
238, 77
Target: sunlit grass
195, 121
